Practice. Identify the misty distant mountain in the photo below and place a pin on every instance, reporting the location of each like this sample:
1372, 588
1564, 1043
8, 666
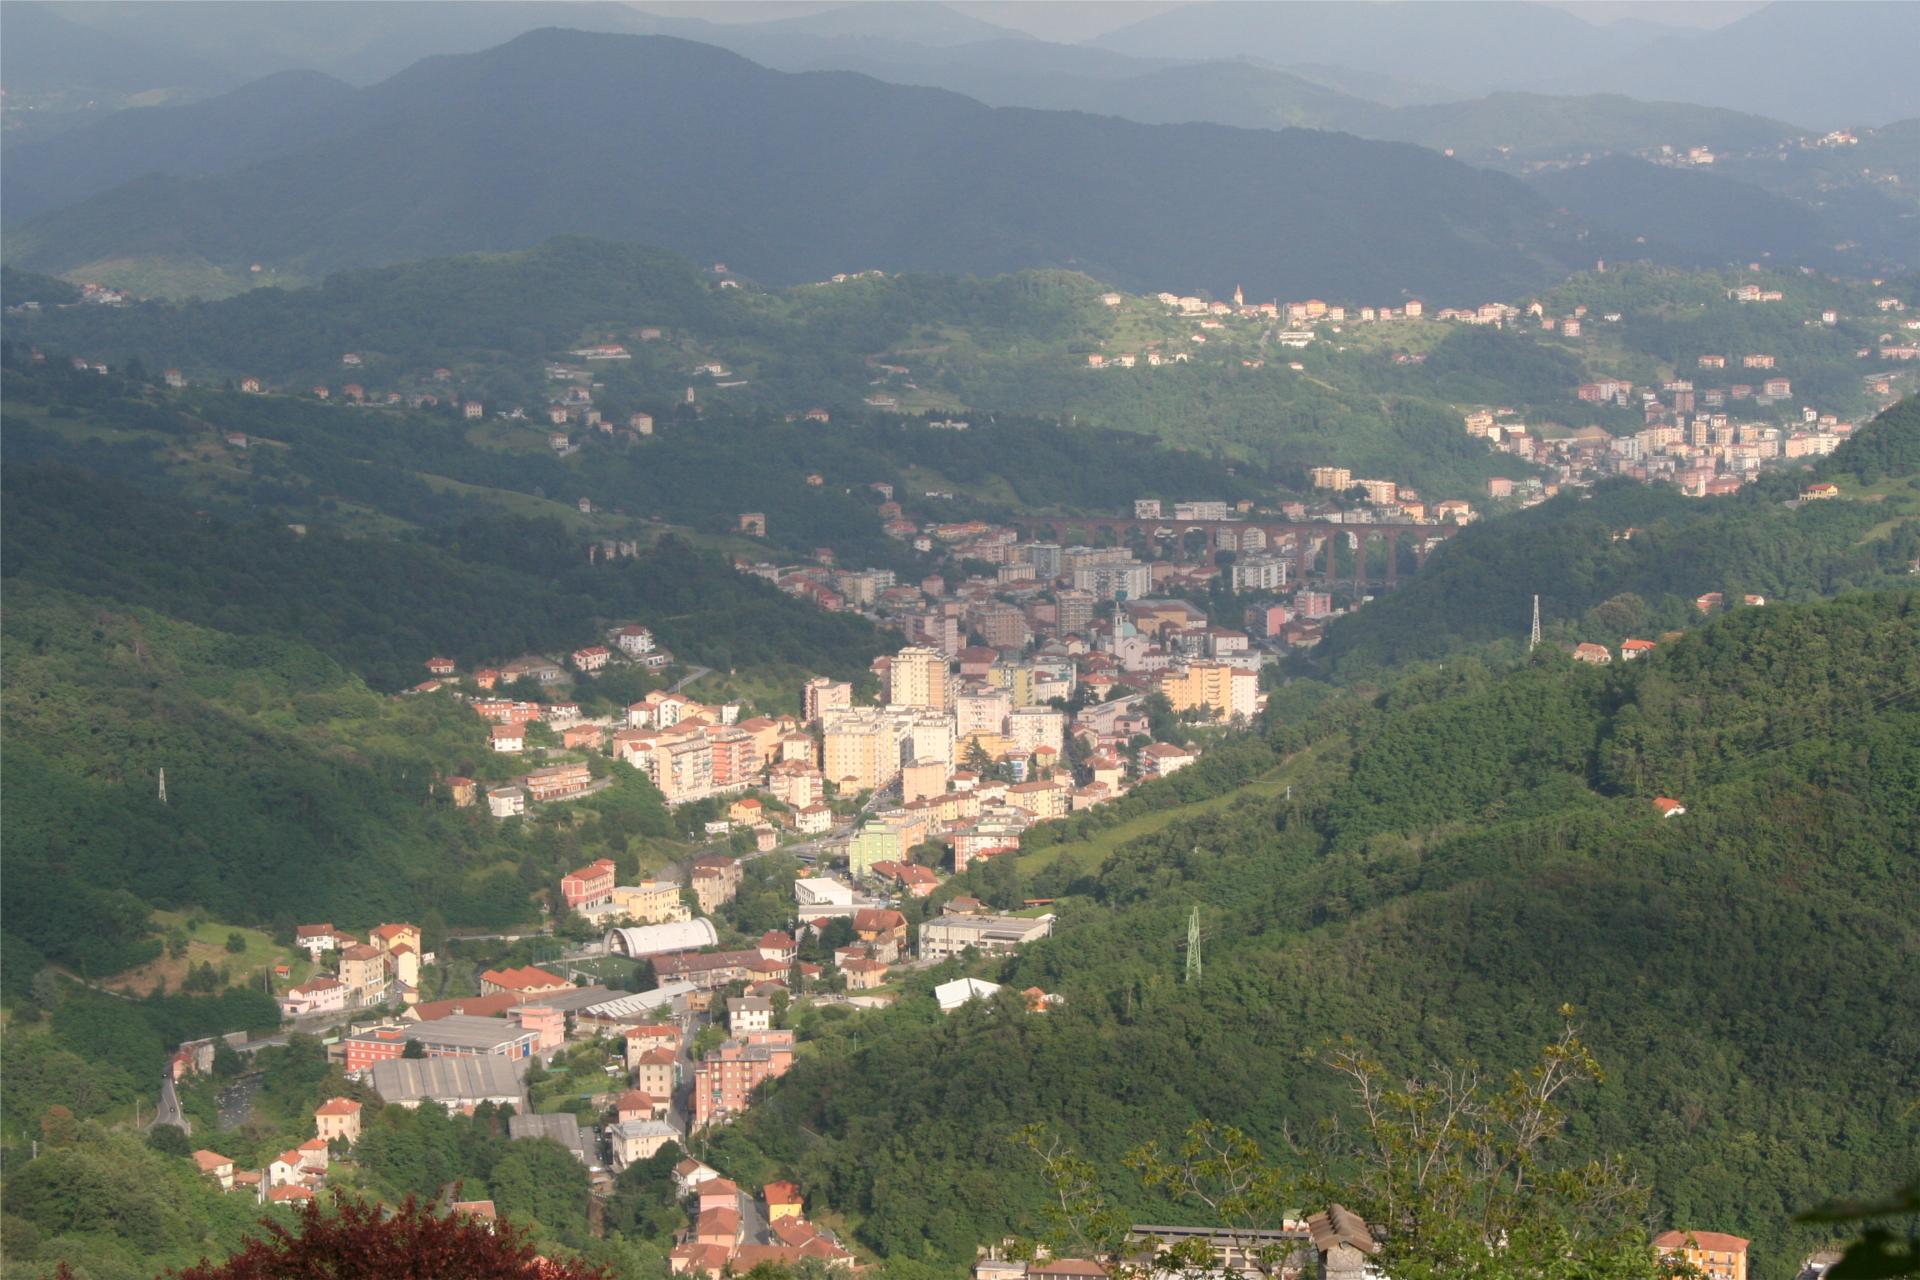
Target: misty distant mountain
270, 117
1468, 46
45, 51
230, 43
793, 177
1827, 65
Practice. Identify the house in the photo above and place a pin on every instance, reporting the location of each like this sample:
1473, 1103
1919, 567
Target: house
508, 739
882, 930
317, 995
316, 938
338, 1120
288, 1195
640, 1139
633, 641
1597, 654
1631, 649
783, 1201
656, 1072
1160, 759
438, 666
1712, 1254
392, 937
863, 974
1819, 492
592, 658
1668, 807
590, 886
215, 1166
506, 802
525, 981
575, 736
636, 1104
363, 972
749, 1013
690, 1175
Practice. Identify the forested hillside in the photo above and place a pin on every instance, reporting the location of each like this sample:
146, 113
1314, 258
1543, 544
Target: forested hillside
292, 789
1469, 851
822, 173
1627, 560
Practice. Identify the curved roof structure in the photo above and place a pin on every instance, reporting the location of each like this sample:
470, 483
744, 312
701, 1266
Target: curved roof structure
656, 939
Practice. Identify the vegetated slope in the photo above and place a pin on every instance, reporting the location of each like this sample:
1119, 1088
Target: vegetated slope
268, 117
1007, 353
486, 589
432, 474
791, 178
1525, 126
291, 787
1718, 219
1625, 560
1745, 972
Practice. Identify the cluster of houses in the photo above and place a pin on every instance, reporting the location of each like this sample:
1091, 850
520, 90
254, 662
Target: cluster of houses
733, 1231
293, 1176
381, 970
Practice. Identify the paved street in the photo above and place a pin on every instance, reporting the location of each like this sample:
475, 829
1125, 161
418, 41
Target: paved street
168, 1111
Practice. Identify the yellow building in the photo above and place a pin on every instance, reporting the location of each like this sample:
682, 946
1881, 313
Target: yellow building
920, 677
861, 750
1017, 680
651, 901
1225, 691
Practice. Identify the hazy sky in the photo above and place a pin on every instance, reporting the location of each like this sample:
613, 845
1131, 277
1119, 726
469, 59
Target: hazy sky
1074, 20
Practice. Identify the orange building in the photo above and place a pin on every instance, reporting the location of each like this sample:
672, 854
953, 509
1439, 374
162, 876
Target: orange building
1714, 1254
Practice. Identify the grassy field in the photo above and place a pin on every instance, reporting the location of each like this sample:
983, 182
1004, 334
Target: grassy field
208, 944
1897, 497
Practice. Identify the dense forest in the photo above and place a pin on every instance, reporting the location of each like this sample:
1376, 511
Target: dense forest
1486, 851
292, 790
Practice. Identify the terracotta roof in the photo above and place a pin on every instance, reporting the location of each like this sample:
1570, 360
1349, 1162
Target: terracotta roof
473, 1006
523, 978
1718, 1241
281, 1195
211, 1160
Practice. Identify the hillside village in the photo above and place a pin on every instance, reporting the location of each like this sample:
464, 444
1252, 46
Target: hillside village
1046, 665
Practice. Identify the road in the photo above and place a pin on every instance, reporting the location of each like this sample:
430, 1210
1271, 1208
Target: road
169, 1112
687, 679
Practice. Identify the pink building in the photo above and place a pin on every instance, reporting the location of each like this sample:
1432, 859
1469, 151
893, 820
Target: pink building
590, 886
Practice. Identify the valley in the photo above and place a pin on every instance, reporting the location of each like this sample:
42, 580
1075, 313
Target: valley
1249, 642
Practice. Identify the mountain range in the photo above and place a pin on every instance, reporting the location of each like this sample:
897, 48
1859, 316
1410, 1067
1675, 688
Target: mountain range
795, 177
1839, 63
